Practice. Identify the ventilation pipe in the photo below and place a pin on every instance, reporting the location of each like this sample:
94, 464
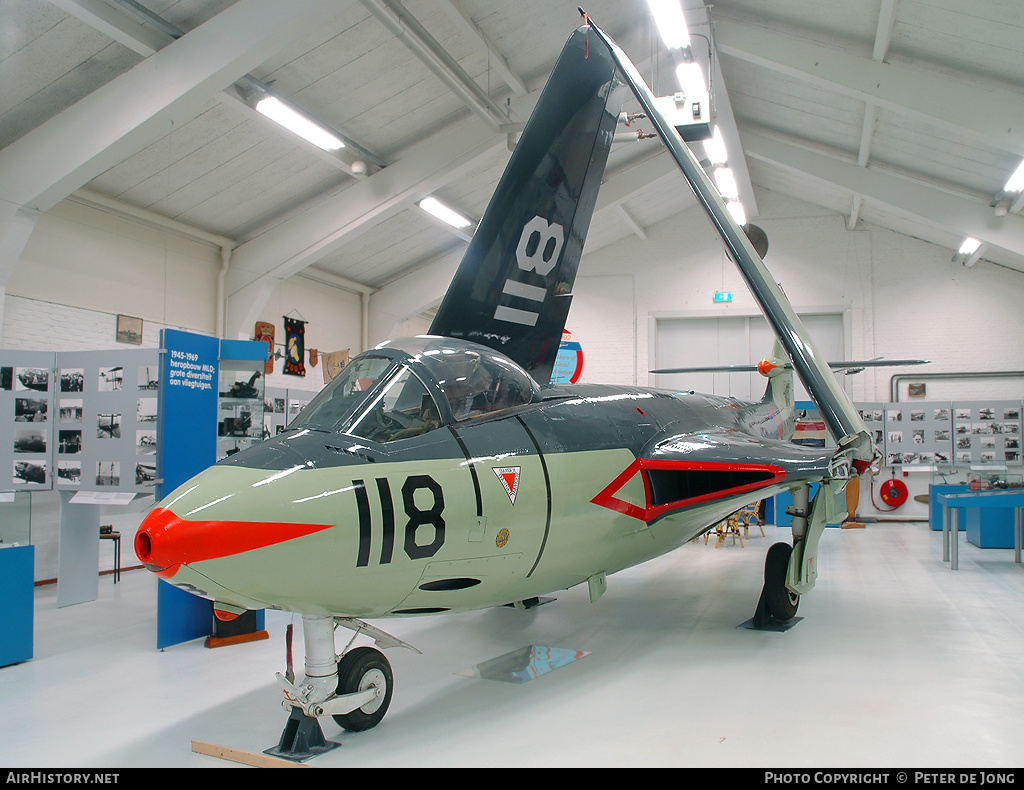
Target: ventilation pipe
225, 263
364, 291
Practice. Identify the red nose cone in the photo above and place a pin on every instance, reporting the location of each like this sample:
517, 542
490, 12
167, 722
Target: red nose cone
152, 544
165, 542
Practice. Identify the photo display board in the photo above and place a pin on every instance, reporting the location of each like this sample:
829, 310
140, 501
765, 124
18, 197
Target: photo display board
944, 433
105, 426
280, 406
26, 420
987, 432
275, 400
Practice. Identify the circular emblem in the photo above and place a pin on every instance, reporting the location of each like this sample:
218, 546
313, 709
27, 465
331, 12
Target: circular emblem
502, 538
568, 361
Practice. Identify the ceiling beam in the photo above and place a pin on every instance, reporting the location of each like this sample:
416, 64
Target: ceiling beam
138, 107
104, 18
630, 220
938, 208
289, 247
995, 116
397, 19
135, 109
883, 36
147, 39
883, 32
495, 60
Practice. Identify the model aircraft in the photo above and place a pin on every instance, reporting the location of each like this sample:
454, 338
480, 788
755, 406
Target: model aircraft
435, 474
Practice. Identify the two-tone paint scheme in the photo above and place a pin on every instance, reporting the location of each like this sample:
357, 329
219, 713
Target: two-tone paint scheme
572, 482
436, 475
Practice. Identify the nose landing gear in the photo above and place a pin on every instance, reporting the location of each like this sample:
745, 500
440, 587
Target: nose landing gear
354, 688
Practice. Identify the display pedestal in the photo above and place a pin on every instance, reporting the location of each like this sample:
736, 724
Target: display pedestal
17, 592
247, 627
934, 506
78, 560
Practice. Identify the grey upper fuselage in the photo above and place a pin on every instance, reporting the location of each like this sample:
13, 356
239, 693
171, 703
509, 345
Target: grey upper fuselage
648, 422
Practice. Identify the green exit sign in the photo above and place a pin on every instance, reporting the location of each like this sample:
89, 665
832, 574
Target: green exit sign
723, 296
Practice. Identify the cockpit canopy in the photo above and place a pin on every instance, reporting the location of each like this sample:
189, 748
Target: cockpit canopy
407, 387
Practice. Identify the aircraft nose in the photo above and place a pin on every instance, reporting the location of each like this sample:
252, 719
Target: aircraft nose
163, 542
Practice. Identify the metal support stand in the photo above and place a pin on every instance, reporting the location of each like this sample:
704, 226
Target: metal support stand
301, 739
764, 621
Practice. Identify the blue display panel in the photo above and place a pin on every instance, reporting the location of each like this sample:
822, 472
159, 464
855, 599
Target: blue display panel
187, 444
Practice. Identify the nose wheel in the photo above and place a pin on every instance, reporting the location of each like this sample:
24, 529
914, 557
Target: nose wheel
362, 669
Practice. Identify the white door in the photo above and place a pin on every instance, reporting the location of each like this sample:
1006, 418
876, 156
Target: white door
733, 340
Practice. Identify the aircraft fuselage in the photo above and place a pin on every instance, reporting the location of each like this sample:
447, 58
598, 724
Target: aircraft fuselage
472, 514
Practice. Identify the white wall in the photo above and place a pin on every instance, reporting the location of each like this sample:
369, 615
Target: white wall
83, 266
905, 298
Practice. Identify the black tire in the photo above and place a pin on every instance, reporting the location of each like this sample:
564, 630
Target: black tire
782, 603
358, 670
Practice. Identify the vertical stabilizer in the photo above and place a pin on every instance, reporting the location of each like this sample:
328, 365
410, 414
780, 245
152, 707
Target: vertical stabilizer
778, 395
513, 289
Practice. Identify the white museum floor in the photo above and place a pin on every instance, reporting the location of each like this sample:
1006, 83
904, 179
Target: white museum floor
898, 662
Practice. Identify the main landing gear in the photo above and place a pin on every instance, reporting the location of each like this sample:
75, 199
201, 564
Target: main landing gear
778, 604
354, 688
791, 571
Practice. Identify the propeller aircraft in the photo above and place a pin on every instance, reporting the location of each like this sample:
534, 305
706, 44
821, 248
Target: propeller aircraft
443, 473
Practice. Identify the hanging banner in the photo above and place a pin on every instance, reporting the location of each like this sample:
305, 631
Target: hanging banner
265, 332
334, 362
295, 347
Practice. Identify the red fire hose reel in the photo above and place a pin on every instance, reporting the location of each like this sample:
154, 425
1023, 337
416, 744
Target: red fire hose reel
894, 492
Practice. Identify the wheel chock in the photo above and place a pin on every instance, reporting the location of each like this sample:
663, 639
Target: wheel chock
301, 739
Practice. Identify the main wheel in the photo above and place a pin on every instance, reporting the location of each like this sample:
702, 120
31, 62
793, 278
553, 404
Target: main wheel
358, 670
781, 601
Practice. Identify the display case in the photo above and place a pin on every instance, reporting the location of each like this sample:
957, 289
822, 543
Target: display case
15, 518
240, 406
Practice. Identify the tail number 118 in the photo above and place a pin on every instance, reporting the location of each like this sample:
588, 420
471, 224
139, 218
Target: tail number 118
417, 518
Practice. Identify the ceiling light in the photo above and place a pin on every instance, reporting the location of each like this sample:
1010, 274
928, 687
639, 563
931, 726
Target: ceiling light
691, 78
726, 181
969, 247
434, 206
714, 147
294, 121
668, 16
736, 209
1016, 182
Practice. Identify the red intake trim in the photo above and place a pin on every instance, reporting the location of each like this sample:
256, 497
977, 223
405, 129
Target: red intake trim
650, 512
164, 542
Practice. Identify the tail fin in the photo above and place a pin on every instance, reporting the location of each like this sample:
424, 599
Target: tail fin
774, 416
778, 395
513, 288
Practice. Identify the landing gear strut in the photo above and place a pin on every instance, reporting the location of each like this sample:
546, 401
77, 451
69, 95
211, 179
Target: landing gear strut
354, 688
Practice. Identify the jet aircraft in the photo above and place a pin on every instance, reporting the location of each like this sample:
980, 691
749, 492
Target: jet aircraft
443, 473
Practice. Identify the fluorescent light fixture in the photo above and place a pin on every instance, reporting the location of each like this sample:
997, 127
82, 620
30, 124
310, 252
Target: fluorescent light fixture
276, 110
736, 209
668, 16
434, 206
727, 184
969, 247
1016, 182
714, 147
691, 78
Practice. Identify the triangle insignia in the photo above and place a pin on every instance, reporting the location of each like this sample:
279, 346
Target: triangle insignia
509, 477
